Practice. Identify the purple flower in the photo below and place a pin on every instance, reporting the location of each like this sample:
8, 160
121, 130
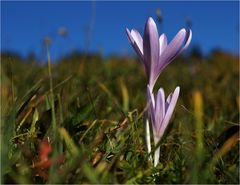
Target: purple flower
160, 111
154, 51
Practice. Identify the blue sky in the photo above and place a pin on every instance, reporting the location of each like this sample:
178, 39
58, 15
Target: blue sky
25, 24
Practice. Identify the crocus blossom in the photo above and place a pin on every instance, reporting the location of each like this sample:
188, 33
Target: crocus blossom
160, 111
154, 51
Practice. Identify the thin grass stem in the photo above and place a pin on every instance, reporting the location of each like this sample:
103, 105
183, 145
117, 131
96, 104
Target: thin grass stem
54, 124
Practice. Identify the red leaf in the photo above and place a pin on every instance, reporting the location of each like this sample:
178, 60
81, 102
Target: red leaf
44, 149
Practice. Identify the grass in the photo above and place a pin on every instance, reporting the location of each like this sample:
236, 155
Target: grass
87, 126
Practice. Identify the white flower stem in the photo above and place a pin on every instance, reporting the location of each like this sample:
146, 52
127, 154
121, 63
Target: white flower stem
156, 156
148, 138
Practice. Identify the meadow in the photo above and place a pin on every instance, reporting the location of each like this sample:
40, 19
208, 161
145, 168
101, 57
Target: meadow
80, 120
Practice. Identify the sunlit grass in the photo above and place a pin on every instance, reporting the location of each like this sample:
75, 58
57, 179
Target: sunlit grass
98, 107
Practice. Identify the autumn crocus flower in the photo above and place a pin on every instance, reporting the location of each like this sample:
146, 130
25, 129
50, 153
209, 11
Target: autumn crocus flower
154, 51
155, 54
160, 111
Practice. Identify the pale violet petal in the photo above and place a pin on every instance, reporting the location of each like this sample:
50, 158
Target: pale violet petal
138, 39
168, 101
188, 39
136, 44
169, 111
151, 48
162, 46
175, 47
162, 43
151, 107
160, 107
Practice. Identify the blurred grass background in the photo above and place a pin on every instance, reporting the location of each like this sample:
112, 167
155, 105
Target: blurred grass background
98, 109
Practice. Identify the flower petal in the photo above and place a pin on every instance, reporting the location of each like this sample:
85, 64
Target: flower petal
168, 101
162, 47
136, 41
151, 107
176, 46
162, 43
169, 111
151, 48
188, 39
160, 108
